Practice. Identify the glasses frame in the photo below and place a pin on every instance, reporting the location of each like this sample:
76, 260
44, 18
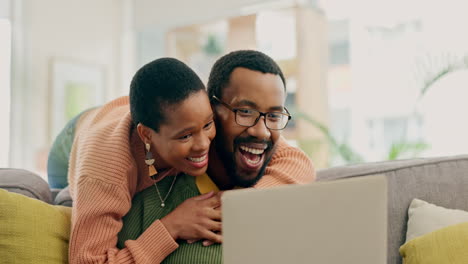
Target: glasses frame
264, 114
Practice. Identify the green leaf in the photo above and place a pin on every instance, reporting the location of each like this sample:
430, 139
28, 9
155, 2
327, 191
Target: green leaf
406, 149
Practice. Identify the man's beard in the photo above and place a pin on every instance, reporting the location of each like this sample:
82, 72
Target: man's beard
229, 161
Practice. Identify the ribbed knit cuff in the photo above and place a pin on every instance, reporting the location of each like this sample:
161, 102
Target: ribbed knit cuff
154, 245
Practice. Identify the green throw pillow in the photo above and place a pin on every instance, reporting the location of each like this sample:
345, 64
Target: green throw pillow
32, 231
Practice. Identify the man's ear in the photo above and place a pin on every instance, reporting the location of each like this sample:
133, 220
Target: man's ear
214, 108
144, 132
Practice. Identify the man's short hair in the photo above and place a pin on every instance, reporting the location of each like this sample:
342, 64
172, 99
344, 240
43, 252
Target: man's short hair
249, 59
157, 85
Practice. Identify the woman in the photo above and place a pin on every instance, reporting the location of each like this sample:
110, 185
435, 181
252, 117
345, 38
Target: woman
120, 150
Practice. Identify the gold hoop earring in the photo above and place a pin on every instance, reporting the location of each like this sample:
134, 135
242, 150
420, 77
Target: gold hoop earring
149, 160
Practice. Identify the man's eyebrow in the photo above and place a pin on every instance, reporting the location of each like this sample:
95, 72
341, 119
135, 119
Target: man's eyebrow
277, 108
246, 103
254, 105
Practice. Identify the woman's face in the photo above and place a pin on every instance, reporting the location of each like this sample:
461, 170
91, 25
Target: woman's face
184, 140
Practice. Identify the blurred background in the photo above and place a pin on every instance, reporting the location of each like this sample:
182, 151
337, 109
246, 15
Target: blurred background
367, 80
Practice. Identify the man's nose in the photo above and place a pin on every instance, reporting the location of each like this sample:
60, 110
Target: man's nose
260, 130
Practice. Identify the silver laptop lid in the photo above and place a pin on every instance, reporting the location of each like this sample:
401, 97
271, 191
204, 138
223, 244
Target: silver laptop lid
343, 221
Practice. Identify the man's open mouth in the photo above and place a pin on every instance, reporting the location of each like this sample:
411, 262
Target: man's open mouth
252, 156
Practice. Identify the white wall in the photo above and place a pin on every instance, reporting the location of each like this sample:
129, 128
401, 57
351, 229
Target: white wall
5, 8
162, 13
83, 31
154, 18
5, 52
445, 123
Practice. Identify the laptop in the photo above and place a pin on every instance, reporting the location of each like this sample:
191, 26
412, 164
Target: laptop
335, 222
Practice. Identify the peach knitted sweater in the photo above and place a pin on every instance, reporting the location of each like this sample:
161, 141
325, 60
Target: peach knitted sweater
107, 169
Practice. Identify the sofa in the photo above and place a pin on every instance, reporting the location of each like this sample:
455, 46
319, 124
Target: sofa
442, 181
32, 185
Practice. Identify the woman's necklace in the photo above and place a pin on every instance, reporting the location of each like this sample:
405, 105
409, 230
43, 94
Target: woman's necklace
168, 192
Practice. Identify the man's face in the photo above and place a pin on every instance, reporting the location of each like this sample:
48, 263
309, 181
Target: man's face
246, 151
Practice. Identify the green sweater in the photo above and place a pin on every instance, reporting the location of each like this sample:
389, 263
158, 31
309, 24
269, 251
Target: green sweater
146, 208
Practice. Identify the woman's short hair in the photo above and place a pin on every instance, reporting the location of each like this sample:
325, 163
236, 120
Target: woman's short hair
158, 85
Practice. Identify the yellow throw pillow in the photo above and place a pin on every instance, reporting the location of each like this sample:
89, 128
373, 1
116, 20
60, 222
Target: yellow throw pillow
447, 245
32, 231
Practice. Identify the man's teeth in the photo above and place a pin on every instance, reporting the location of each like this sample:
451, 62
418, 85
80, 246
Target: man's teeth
200, 159
252, 150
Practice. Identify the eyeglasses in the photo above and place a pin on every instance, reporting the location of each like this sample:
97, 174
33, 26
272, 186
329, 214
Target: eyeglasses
249, 117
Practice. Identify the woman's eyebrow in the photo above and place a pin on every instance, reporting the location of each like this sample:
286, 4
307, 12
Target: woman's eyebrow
187, 129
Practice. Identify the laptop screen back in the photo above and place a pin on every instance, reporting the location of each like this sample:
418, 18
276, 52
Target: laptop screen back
343, 221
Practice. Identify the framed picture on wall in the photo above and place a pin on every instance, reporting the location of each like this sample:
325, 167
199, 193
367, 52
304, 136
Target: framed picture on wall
76, 86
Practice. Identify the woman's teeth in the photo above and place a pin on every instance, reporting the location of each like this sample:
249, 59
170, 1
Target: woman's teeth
200, 159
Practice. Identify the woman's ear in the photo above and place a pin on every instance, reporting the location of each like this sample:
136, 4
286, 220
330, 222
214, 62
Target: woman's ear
144, 132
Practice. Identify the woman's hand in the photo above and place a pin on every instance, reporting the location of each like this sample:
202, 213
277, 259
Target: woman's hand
196, 218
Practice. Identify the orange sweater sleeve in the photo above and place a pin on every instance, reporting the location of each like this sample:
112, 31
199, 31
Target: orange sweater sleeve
96, 220
103, 178
289, 165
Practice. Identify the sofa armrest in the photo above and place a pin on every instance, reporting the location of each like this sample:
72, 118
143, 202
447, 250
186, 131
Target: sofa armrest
64, 198
26, 183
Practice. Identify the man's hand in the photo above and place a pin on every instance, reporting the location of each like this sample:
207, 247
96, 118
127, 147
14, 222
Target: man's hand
196, 218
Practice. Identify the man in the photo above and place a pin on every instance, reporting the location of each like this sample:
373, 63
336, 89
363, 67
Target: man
247, 93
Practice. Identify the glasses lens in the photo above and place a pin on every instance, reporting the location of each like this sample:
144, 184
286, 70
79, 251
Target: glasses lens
273, 120
276, 120
246, 117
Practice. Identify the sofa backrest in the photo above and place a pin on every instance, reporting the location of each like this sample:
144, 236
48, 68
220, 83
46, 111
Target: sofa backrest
442, 181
